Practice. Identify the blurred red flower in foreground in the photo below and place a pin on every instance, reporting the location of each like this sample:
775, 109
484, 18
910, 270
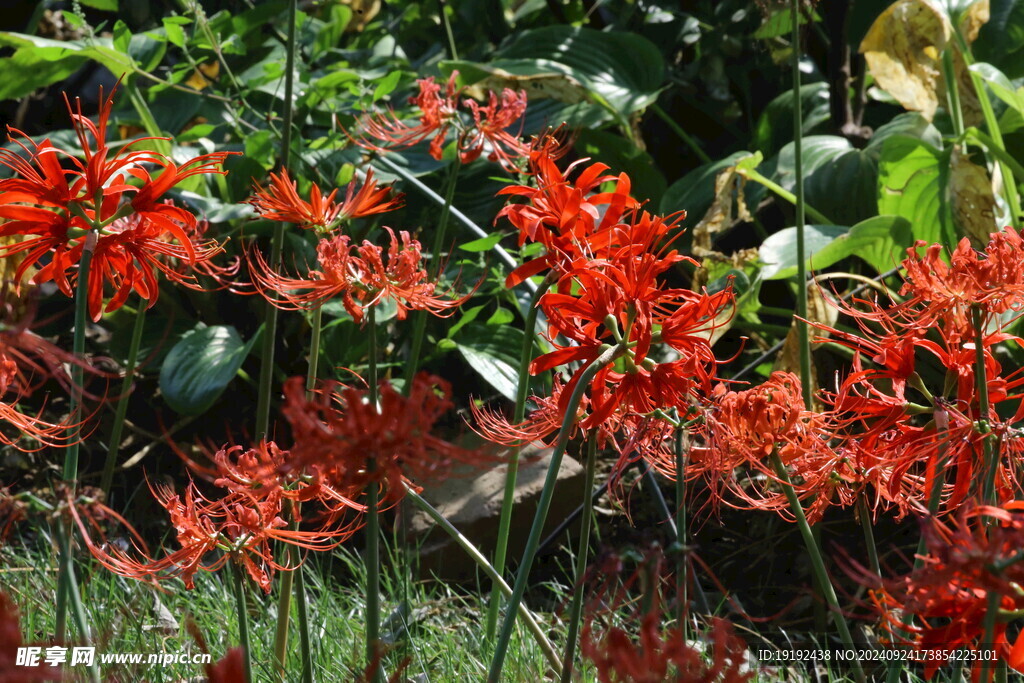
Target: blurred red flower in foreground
229, 669
948, 595
61, 213
11, 671
349, 443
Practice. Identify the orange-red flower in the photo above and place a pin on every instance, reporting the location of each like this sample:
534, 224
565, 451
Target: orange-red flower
281, 202
361, 276
440, 113
229, 669
59, 214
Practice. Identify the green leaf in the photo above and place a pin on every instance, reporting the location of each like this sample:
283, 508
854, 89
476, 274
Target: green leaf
1000, 85
493, 352
695, 191
775, 125
29, 69
839, 181
912, 182
778, 252
387, 85
880, 240
200, 366
175, 33
122, 36
910, 124
105, 5
482, 244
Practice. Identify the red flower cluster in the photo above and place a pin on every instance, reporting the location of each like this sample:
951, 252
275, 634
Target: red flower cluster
129, 228
341, 438
360, 275
948, 594
484, 128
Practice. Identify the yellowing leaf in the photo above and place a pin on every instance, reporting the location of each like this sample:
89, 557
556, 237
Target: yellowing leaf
973, 18
363, 12
903, 50
553, 86
204, 76
973, 201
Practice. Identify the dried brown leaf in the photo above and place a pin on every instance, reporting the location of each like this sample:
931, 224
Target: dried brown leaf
973, 200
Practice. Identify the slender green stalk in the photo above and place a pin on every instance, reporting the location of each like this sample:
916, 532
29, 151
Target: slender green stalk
304, 649
316, 327
535, 628
284, 599
372, 516
529, 554
683, 135
277, 242
682, 599
981, 382
512, 472
243, 620
442, 7
817, 562
956, 111
576, 607
149, 124
412, 364
869, 534
988, 640
755, 175
122, 403
66, 571
75, 598
801, 207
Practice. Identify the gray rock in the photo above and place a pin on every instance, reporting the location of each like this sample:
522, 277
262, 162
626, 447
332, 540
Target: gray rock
473, 505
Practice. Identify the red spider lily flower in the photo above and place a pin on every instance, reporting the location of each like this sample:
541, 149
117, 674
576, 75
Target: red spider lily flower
229, 669
61, 213
665, 654
11, 641
281, 202
440, 113
360, 276
567, 217
238, 527
651, 653
948, 594
350, 443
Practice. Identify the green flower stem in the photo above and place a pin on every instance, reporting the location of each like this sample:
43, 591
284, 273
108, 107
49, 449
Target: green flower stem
535, 628
512, 473
316, 327
683, 135
243, 620
66, 571
956, 111
755, 175
149, 124
869, 534
991, 454
988, 640
433, 270
576, 608
372, 516
609, 355
277, 242
304, 649
501, 253
442, 7
683, 600
284, 598
817, 563
77, 608
122, 403
801, 210
1009, 184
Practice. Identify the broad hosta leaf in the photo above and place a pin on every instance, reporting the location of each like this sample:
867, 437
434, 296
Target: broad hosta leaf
775, 125
881, 241
200, 366
912, 182
1000, 85
621, 71
839, 180
910, 124
903, 49
778, 252
493, 352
